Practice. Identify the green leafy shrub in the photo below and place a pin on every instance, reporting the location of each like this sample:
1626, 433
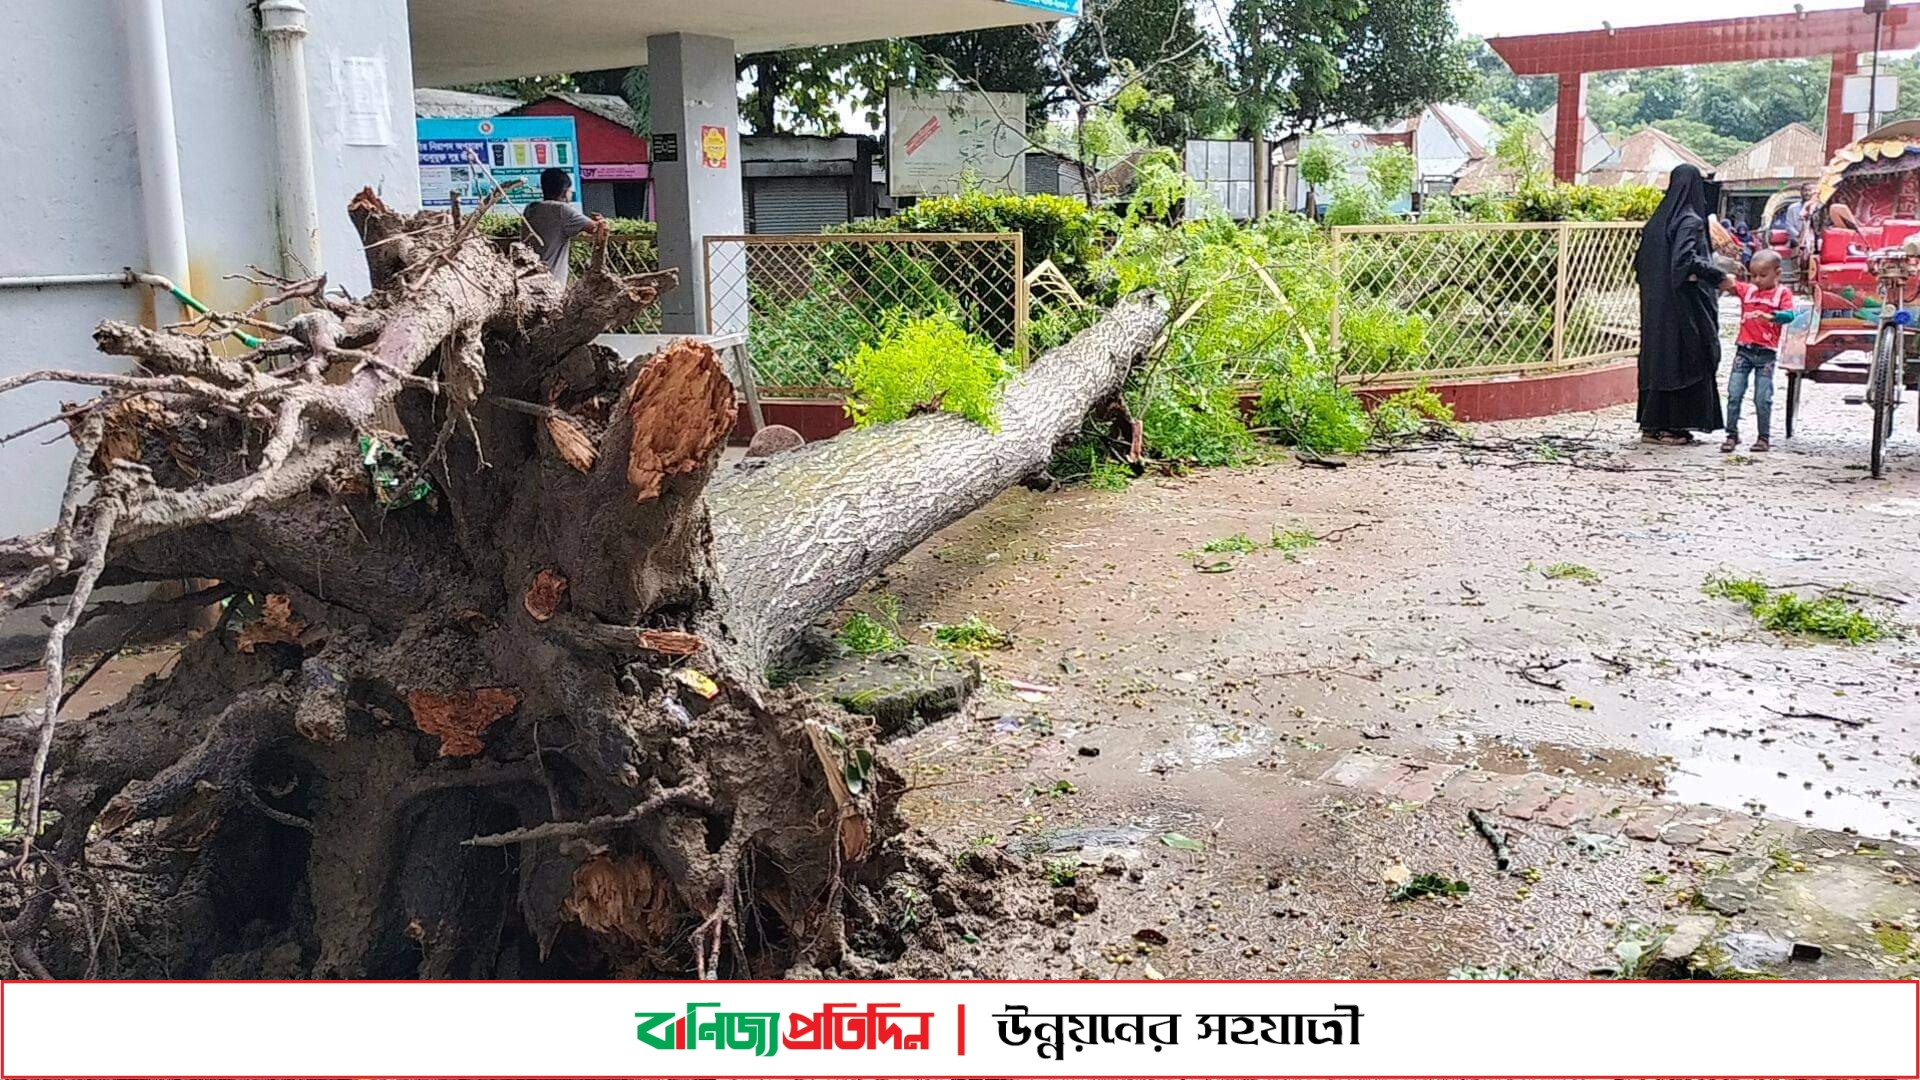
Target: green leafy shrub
1053, 227
1196, 427
926, 362
1379, 337
803, 343
1308, 408
1540, 199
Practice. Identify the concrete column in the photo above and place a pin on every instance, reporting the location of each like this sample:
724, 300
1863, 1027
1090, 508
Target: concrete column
695, 96
1839, 124
1570, 126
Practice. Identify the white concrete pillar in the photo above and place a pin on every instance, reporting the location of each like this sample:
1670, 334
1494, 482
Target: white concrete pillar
698, 194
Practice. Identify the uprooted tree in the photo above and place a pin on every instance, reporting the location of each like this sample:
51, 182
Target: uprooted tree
497, 703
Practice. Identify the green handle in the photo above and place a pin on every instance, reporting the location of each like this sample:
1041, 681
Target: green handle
186, 298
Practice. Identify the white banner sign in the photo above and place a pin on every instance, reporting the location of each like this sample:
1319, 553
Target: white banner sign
939, 142
959, 1029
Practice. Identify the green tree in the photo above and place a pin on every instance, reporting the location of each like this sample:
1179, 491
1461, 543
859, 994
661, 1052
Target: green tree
1306, 64
1496, 91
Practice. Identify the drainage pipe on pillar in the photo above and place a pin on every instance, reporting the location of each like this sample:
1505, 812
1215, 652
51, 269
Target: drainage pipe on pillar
162, 208
284, 24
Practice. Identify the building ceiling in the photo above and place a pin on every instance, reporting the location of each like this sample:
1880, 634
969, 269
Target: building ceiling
465, 41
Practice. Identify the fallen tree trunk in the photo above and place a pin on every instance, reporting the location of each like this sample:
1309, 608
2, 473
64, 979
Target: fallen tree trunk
799, 536
491, 701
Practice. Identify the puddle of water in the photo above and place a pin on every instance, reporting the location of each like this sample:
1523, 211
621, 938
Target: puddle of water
1898, 508
1209, 742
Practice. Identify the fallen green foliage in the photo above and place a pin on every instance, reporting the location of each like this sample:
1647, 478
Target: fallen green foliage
864, 634
925, 364
1428, 885
1567, 571
974, 635
1238, 544
1411, 412
1196, 427
1831, 616
1305, 406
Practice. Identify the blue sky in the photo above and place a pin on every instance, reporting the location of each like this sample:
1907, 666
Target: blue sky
1490, 17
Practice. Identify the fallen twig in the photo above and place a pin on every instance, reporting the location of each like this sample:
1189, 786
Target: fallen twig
1796, 714
1536, 673
1843, 590
1501, 858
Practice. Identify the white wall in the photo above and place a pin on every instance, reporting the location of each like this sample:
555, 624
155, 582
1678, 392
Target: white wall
69, 183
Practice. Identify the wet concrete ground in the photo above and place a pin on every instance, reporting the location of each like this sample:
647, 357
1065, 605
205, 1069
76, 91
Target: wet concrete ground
1424, 627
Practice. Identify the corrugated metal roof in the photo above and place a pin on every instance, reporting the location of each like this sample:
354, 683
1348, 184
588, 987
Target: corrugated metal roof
1646, 157
436, 104
1795, 152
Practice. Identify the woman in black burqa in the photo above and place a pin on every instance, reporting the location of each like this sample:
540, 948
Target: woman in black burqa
1679, 315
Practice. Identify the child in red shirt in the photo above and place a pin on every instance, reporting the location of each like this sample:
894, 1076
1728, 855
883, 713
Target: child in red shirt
1765, 306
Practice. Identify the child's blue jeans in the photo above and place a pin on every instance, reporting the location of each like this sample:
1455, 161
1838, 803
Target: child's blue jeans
1757, 362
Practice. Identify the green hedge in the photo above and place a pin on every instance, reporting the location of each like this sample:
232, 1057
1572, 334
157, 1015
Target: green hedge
1051, 226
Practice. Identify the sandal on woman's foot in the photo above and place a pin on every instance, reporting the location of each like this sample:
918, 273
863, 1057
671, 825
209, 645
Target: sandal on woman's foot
1729, 445
1761, 446
1674, 438
1650, 437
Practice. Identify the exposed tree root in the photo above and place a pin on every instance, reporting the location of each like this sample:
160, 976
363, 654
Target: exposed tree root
489, 699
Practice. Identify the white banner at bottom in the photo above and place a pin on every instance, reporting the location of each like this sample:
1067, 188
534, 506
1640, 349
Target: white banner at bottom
959, 1029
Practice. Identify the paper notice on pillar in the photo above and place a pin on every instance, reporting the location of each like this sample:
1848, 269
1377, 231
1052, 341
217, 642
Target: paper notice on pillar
364, 118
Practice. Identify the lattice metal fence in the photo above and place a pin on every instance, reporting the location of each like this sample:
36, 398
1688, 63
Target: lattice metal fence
808, 302
1440, 300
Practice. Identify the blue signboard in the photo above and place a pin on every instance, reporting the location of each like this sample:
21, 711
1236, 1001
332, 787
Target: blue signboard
473, 157
1069, 8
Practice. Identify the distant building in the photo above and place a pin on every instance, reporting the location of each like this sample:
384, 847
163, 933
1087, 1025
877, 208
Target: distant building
1645, 157
1049, 173
1595, 148
615, 161
614, 156
432, 104
1354, 146
804, 183
1453, 149
1785, 159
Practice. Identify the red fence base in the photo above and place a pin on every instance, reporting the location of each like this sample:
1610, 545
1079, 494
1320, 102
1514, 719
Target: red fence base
1518, 397
1507, 397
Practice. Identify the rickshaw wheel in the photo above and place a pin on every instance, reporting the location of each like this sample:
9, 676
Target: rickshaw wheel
1880, 393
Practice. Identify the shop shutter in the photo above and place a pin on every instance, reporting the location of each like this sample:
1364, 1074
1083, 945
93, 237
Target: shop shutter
798, 204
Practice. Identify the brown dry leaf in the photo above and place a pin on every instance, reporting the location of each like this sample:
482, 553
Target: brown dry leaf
544, 595
622, 895
670, 642
277, 625
460, 718
573, 445
681, 407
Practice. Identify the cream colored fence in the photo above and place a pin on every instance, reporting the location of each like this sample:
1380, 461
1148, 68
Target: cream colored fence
1440, 301
808, 302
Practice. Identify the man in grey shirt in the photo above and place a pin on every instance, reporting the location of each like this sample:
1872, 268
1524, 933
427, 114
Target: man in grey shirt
555, 221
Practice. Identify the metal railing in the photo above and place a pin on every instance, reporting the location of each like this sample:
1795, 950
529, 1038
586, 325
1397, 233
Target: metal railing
809, 302
1439, 301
